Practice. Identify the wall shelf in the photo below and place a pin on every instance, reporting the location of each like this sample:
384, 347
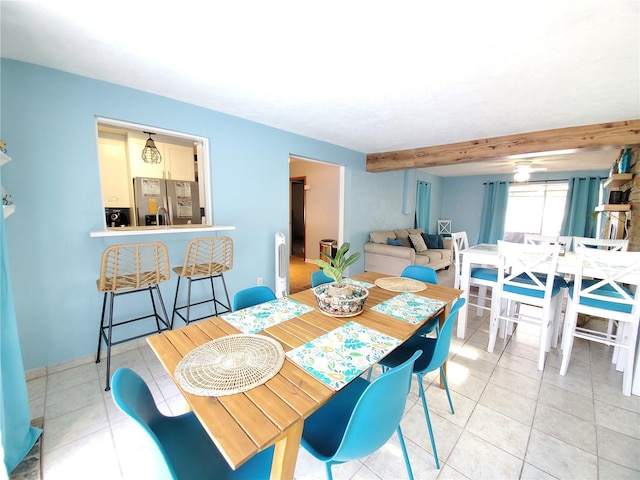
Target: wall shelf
613, 207
8, 210
617, 180
4, 158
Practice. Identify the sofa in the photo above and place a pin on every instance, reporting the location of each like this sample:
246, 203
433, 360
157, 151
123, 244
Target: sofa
380, 256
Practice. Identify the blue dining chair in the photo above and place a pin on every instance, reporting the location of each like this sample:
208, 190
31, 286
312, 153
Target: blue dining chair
418, 272
360, 418
427, 275
319, 278
435, 353
252, 296
181, 448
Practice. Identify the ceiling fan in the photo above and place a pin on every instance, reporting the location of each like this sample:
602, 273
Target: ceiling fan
523, 171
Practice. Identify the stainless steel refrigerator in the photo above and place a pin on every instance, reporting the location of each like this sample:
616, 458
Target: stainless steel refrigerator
174, 201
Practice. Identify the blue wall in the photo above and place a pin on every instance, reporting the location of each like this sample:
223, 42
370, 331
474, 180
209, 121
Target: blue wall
462, 197
48, 123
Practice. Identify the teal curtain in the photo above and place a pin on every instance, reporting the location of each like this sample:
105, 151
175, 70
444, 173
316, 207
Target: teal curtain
494, 212
18, 436
582, 199
423, 205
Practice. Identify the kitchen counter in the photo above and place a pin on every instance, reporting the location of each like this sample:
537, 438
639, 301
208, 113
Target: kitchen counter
154, 230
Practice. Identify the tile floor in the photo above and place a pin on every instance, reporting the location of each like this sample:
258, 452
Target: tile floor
511, 421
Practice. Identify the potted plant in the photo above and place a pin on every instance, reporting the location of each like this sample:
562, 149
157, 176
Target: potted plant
340, 299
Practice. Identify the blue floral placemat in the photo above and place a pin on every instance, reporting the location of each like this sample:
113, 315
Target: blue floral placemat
259, 317
339, 356
409, 307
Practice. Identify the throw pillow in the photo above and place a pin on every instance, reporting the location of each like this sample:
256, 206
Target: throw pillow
417, 242
396, 242
433, 241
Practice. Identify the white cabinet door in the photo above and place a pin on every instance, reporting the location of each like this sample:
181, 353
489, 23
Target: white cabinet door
114, 172
179, 162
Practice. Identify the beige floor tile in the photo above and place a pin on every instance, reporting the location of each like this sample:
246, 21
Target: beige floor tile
610, 471
566, 427
618, 448
520, 364
93, 457
560, 459
516, 382
68, 400
467, 385
567, 401
618, 419
460, 365
571, 381
414, 427
529, 472
499, 430
65, 379
478, 459
64, 429
438, 403
509, 403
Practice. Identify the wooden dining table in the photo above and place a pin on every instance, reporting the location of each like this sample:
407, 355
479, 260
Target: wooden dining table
243, 424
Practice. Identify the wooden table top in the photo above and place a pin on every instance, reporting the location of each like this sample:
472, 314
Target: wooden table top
243, 424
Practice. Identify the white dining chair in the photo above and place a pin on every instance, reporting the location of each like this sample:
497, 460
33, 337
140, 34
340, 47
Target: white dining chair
526, 276
535, 239
601, 243
481, 277
611, 244
605, 286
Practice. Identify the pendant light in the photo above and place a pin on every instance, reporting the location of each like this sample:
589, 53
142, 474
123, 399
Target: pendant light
150, 153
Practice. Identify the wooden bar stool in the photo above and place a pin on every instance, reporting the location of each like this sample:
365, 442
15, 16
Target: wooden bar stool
125, 269
205, 259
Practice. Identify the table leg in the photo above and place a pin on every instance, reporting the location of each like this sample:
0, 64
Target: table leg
285, 453
443, 317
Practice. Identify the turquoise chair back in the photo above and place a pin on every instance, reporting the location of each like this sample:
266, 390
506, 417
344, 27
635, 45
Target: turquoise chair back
377, 414
418, 272
443, 341
181, 447
319, 278
252, 296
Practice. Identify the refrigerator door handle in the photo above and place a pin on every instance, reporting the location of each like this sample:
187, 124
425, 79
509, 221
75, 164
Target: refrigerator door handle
170, 211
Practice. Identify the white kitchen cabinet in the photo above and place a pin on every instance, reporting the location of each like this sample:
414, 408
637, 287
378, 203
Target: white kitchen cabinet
114, 171
179, 162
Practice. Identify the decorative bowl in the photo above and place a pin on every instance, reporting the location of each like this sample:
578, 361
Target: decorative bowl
347, 303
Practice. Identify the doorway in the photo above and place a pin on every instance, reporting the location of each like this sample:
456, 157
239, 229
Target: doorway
297, 218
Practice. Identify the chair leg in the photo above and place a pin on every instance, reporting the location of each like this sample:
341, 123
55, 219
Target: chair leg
226, 294
426, 415
404, 453
188, 301
164, 310
108, 380
101, 329
446, 389
327, 467
494, 321
175, 303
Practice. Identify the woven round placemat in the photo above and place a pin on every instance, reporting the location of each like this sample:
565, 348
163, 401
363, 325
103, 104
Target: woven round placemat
401, 284
230, 364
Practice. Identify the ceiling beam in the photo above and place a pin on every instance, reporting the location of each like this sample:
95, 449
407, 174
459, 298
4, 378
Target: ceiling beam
602, 135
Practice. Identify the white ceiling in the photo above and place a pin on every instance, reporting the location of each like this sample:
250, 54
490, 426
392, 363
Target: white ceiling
372, 76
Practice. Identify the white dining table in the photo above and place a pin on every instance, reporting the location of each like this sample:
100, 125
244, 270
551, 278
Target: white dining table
486, 254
